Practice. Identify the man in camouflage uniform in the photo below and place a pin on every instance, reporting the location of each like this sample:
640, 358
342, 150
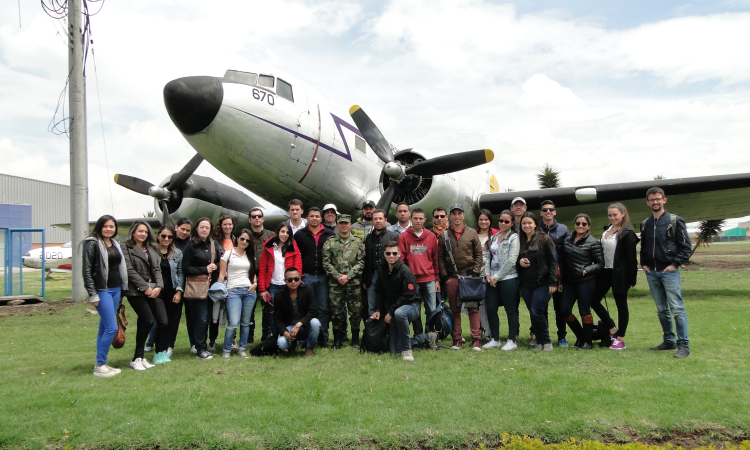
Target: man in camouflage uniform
343, 261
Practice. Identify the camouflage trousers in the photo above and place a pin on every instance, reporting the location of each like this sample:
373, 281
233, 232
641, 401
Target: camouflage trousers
341, 299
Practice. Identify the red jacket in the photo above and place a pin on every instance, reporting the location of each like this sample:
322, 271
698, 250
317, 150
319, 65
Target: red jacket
292, 258
420, 254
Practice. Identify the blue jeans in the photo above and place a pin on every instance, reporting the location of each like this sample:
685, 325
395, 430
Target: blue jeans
311, 335
109, 301
319, 285
503, 294
240, 305
399, 329
536, 298
427, 292
197, 310
665, 289
371, 298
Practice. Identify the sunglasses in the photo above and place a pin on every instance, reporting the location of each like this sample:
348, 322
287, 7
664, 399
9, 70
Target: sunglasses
293, 280
504, 221
256, 216
391, 253
166, 236
582, 224
548, 209
244, 239
440, 216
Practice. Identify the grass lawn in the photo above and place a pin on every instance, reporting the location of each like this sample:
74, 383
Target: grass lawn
446, 399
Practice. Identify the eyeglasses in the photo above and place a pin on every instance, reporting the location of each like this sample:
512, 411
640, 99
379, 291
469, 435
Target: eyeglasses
439, 216
582, 224
548, 209
293, 280
504, 221
391, 253
244, 239
661, 199
166, 236
256, 216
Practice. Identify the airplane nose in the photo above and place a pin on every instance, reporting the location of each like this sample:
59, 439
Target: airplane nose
193, 102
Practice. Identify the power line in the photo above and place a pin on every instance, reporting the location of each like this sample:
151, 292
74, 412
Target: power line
101, 121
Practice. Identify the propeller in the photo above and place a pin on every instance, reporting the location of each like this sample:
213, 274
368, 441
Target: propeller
161, 194
398, 172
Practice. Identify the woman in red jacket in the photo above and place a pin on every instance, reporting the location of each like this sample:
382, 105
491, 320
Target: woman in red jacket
279, 253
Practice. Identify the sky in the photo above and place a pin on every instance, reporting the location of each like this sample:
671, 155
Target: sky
601, 91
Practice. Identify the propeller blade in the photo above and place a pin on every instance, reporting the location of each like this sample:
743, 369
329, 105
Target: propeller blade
451, 163
372, 135
133, 183
385, 201
166, 219
181, 177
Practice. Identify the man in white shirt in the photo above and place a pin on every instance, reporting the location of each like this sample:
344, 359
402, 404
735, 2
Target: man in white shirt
402, 214
295, 212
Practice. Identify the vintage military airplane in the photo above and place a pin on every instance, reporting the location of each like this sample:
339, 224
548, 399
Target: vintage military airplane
281, 139
55, 259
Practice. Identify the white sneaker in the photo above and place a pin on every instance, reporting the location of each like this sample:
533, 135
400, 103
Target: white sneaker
225, 356
492, 344
234, 345
510, 345
116, 371
170, 350
193, 350
406, 355
146, 364
136, 364
104, 371
147, 348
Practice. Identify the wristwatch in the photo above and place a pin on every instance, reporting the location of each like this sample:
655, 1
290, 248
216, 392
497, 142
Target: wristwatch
298, 324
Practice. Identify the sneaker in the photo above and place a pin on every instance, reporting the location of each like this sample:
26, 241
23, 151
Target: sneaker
456, 344
225, 356
212, 346
665, 346
617, 344
539, 348
585, 346
407, 356
170, 350
309, 353
104, 371
463, 341
234, 345
476, 346
148, 348
492, 344
205, 356
433, 340
136, 364
510, 345
165, 357
157, 358
682, 352
547, 347
115, 370
146, 364
193, 350
532, 342
562, 343
242, 354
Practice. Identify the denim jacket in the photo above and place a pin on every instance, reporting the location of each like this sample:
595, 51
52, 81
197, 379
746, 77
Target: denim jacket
175, 263
502, 262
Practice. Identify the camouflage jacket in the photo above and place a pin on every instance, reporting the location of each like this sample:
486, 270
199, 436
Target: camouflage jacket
344, 256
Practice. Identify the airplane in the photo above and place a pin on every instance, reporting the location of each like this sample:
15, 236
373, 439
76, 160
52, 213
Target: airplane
57, 259
281, 139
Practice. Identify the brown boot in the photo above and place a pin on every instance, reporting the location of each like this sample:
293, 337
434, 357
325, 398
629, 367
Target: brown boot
309, 353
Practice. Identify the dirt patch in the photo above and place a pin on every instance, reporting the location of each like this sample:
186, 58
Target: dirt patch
717, 265
716, 435
49, 307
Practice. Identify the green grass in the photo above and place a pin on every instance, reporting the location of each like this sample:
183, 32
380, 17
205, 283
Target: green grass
445, 399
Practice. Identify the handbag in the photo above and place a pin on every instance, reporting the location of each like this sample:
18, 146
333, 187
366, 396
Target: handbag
376, 338
196, 286
471, 290
122, 325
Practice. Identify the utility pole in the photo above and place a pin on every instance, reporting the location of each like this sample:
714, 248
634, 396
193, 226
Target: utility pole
79, 177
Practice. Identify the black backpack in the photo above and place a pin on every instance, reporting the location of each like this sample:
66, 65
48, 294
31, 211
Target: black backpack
440, 319
376, 338
268, 347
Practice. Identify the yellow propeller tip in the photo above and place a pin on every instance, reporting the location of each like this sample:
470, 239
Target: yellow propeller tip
489, 155
353, 109
117, 175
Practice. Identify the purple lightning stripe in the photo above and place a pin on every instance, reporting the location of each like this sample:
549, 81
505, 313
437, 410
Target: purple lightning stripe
336, 120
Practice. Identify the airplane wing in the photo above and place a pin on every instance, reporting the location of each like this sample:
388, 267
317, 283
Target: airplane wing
693, 199
123, 225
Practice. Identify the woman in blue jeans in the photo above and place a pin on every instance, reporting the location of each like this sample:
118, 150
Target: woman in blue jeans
237, 271
537, 271
104, 277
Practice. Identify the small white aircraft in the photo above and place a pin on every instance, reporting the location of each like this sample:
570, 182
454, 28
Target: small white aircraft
281, 139
56, 259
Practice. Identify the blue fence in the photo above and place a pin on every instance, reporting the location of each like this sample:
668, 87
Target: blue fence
16, 242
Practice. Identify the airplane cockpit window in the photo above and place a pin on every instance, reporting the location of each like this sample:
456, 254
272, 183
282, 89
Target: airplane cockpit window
241, 77
265, 81
284, 90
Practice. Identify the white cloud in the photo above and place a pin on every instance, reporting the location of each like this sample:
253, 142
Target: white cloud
540, 90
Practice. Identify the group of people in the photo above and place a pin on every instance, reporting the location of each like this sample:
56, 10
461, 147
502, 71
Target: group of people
313, 273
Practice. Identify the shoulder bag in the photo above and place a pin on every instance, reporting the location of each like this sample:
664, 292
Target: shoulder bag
196, 286
122, 325
471, 290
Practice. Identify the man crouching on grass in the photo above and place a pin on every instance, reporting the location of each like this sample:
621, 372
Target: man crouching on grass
396, 293
295, 313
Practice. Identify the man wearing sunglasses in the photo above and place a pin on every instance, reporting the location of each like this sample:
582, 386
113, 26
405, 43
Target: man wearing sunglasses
374, 243
296, 313
259, 235
558, 232
398, 298
665, 246
439, 221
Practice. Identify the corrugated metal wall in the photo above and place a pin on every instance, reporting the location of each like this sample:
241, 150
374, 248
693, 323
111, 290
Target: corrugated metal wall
50, 203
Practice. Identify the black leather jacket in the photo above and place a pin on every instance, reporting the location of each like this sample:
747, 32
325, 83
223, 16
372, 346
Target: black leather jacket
141, 269
586, 254
94, 275
385, 237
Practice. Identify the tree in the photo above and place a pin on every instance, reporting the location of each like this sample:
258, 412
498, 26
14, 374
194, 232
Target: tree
660, 177
548, 177
708, 230
149, 214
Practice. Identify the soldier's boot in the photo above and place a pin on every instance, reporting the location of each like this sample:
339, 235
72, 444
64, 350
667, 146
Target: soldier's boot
355, 338
337, 340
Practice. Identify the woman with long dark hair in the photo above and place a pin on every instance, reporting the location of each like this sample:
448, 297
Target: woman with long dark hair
169, 301
197, 260
144, 285
221, 233
279, 253
537, 271
502, 280
237, 271
581, 260
620, 272
485, 232
104, 277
